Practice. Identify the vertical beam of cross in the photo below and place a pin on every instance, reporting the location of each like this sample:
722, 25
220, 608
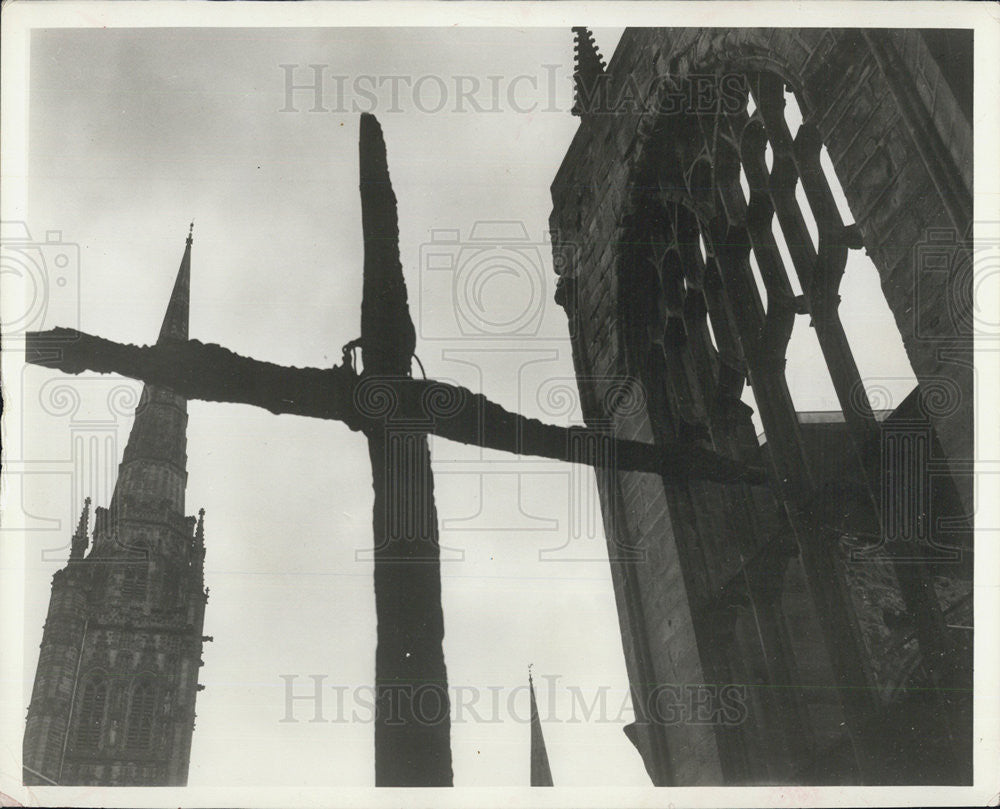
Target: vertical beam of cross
412, 723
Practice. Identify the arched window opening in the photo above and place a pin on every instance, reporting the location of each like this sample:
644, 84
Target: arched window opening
806, 372
787, 162
135, 580
90, 726
838, 192
786, 258
871, 330
748, 399
744, 184
711, 333
793, 114
142, 705
758, 279
807, 214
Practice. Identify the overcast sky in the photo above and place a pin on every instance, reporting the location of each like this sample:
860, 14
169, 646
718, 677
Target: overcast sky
135, 133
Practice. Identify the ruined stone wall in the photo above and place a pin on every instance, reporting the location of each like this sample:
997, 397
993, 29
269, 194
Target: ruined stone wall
901, 148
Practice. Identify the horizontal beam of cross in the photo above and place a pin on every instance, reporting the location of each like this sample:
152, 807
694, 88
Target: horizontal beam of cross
364, 403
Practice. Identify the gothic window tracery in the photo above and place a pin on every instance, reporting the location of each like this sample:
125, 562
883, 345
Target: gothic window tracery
93, 707
740, 202
739, 237
141, 716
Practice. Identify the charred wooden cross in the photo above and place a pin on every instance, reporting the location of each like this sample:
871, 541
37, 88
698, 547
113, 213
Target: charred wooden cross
396, 413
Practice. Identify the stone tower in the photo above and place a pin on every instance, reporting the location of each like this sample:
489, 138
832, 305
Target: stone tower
117, 678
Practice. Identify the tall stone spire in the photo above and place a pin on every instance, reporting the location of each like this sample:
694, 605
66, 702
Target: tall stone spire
153, 471
175, 321
113, 702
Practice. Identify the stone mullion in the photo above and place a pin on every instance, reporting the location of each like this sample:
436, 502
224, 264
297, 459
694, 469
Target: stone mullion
767, 360
695, 506
731, 246
779, 319
696, 310
733, 411
688, 513
686, 402
726, 336
823, 299
779, 668
688, 381
821, 289
819, 274
762, 649
700, 524
915, 582
722, 427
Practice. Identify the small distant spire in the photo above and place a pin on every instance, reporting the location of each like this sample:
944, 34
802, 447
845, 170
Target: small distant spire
83, 524
199, 531
588, 69
541, 773
190, 237
80, 541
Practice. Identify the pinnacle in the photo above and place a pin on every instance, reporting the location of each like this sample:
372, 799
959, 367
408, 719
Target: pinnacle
588, 69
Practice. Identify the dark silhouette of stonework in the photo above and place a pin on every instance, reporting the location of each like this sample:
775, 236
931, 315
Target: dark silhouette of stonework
834, 604
114, 694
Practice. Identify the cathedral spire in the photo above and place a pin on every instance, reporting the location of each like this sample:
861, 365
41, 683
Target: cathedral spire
175, 321
80, 541
143, 584
153, 470
541, 774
